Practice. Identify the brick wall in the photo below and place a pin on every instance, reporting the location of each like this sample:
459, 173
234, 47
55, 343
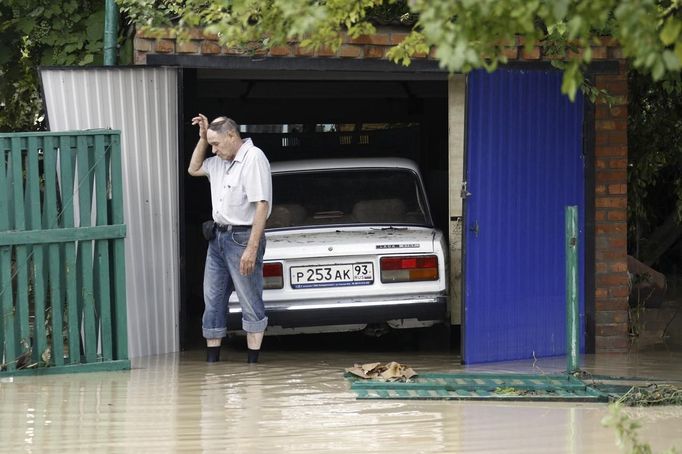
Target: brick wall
610, 152
611, 155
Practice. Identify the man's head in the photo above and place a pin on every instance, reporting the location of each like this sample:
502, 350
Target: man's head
223, 137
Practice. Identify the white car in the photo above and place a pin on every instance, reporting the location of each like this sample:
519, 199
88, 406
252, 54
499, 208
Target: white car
351, 244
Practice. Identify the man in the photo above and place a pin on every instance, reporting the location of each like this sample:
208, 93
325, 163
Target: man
241, 196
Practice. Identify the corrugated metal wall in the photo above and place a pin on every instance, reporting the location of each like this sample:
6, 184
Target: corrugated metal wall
143, 104
524, 165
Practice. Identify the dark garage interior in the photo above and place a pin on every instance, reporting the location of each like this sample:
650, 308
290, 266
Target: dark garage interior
296, 117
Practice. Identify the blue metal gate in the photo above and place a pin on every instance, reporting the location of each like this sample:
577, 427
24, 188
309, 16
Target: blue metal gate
524, 165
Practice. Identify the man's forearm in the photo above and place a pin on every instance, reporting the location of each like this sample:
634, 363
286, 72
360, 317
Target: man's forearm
198, 157
258, 225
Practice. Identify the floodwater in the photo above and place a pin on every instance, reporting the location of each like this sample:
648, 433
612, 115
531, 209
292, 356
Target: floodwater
298, 401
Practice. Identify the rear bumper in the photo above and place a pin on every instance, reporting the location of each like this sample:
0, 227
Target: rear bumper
345, 312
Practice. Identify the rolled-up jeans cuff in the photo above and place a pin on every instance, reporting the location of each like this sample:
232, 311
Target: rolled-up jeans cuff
214, 333
255, 327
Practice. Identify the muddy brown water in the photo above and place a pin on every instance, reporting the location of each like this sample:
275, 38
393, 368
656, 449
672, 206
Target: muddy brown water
298, 401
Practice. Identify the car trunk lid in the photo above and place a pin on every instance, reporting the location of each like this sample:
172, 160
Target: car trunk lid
343, 242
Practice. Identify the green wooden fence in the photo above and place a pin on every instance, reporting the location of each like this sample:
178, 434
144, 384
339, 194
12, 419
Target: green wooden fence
62, 268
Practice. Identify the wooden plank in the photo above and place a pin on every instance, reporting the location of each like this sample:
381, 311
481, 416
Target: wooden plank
21, 252
40, 345
8, 346
102, 287
64, 235
85, 249
108, 366
119, 322
51, 217
69, 260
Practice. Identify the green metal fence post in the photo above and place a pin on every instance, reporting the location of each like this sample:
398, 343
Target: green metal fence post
572, 342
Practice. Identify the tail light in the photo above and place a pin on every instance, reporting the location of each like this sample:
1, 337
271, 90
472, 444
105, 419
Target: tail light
409, 268
272, 275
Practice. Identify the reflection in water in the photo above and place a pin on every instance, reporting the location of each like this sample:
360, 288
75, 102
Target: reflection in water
300, 402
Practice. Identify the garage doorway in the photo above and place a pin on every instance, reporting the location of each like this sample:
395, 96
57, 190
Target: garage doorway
293, 117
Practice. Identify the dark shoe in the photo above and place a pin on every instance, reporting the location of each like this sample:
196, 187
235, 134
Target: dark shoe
252, 356
212, 354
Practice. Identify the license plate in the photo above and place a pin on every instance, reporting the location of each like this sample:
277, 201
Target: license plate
332, 275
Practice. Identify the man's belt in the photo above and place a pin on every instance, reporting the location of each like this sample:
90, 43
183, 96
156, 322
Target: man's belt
229, 227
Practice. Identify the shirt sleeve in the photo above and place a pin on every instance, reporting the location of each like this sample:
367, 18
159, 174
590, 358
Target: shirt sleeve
208, 166
258, 180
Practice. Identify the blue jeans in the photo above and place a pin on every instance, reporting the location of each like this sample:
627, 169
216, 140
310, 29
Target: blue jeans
222, 277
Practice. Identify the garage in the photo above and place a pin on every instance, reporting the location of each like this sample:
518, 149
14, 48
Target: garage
296, 116
298, 107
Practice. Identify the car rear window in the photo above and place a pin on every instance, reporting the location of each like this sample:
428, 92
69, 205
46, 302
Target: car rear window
347, 197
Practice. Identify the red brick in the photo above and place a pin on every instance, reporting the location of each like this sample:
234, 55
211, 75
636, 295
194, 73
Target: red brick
512, 53
608, 255
209, 47
140, 58
616, 151
600, 189
605, 125
615, 329
615, 87
616, 53
601, 292
609, 41
618, 137
604, 111
232, 51
611, 176
620, 291
325, 51
601, 268
612, 279
611, 304
303, 52
611, 344
599, 53
164, 46
419, 55
611, 202
374, 52
617, 243
618, 163
188, 47
143, 44
600, 164
617, 215
280, 51
611, 317
398, 37
165, 33
533, 54
619, 227
618, 189
379, 39
350, 51
600, 215
210, 36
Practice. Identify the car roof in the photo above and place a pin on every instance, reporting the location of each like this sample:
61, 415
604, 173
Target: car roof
342, 163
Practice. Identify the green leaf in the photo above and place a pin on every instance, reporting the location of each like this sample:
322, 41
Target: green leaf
559, 9
671, 30
672, 63
678, 50
95, 30
658, 70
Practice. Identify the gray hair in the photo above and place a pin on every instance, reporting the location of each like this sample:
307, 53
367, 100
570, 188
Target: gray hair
224, 125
